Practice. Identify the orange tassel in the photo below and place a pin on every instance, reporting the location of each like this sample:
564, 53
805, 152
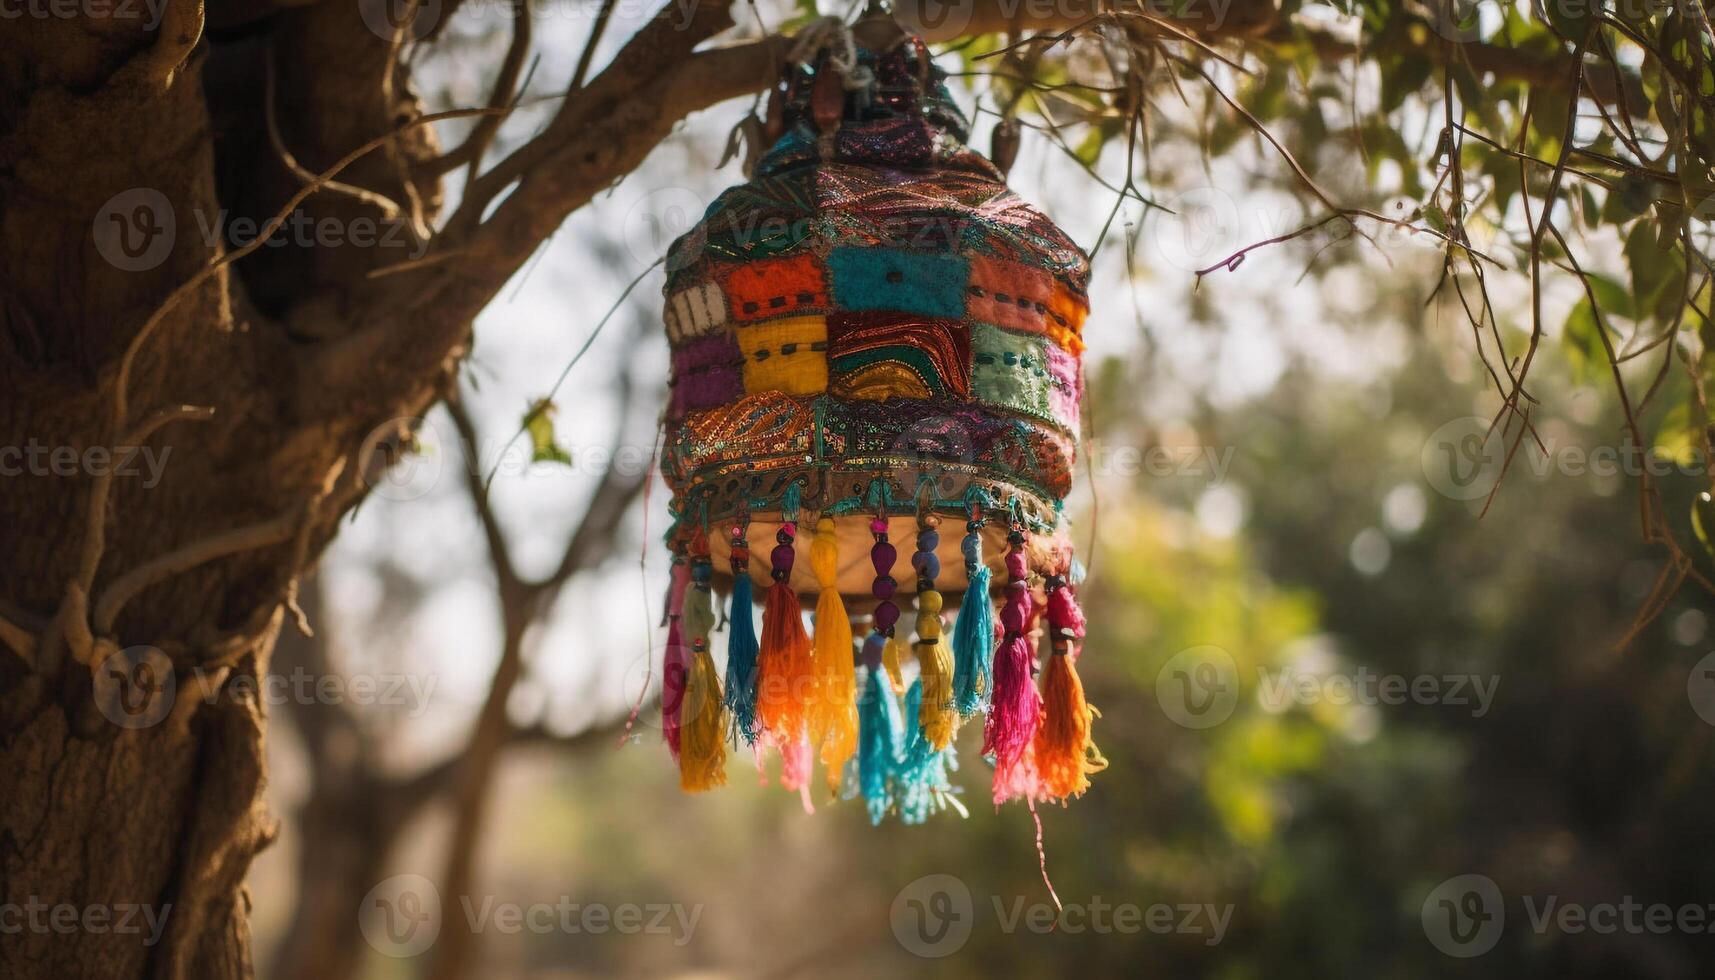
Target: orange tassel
784, 673
1065, 755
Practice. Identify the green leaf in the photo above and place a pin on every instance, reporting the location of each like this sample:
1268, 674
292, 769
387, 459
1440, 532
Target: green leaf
539, 423
1658, 274
1592, 210
1582, 336
1703, 520
1612, 296
1676, 439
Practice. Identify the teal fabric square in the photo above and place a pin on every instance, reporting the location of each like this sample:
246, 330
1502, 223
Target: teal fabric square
925, 283
1010, 370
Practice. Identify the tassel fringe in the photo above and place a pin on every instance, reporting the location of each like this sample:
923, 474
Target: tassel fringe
833, 713
1017, 707
1065, 755
937, 719
676, 661
973, 632
702, 715
742, 645
783, 668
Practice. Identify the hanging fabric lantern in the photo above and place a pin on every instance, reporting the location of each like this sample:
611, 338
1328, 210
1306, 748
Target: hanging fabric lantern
875, 389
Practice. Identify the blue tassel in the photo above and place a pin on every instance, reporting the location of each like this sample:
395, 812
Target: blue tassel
879, 731
923, 787
742, 647
973, 633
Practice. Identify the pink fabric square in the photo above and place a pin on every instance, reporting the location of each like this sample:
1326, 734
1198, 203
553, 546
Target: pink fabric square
1066, 386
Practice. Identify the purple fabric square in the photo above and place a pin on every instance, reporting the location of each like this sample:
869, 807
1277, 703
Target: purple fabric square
706, 374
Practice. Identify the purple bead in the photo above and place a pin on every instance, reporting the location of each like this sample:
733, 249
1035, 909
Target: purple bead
928, 540
884, 587
882, 556
877, 525
886, 615
782, 556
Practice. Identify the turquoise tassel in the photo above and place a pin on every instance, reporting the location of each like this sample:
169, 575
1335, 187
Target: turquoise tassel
742, 647
973, 633
879, 731
923, 786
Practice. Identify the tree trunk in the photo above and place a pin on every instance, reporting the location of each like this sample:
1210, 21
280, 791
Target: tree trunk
181, 431
146, 833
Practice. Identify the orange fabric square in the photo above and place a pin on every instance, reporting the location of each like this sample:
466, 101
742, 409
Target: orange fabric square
779, 287
1008, 294
1066, 313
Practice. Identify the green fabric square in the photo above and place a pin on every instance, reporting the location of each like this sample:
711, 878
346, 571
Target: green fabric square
1009, 369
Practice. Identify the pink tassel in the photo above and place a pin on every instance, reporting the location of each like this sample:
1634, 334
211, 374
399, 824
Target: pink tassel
676, 666
796, 765
1017, 707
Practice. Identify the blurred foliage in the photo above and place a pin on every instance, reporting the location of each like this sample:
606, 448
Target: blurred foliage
1563, 150
1322, 825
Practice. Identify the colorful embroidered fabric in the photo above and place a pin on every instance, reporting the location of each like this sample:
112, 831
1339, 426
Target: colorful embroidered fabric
870, 337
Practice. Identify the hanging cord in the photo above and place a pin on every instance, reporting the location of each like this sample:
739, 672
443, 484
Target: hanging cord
835, 36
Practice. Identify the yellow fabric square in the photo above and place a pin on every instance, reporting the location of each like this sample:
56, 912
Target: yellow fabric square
789, 355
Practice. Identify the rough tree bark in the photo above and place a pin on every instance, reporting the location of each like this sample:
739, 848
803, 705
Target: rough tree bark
270, 389
117, 134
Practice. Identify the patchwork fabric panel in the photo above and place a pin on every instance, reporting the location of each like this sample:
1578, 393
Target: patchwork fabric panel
766, 217
1066, 313
750, 432
1009, 369
780, 287
1008, 294
876, 303
695, 311
1066, 385
788, 355
877, 356
900, 281
706, 373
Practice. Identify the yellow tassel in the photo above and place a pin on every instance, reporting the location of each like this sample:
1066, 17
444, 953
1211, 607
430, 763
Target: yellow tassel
833, 714
703, 721
892, 656
936, 716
